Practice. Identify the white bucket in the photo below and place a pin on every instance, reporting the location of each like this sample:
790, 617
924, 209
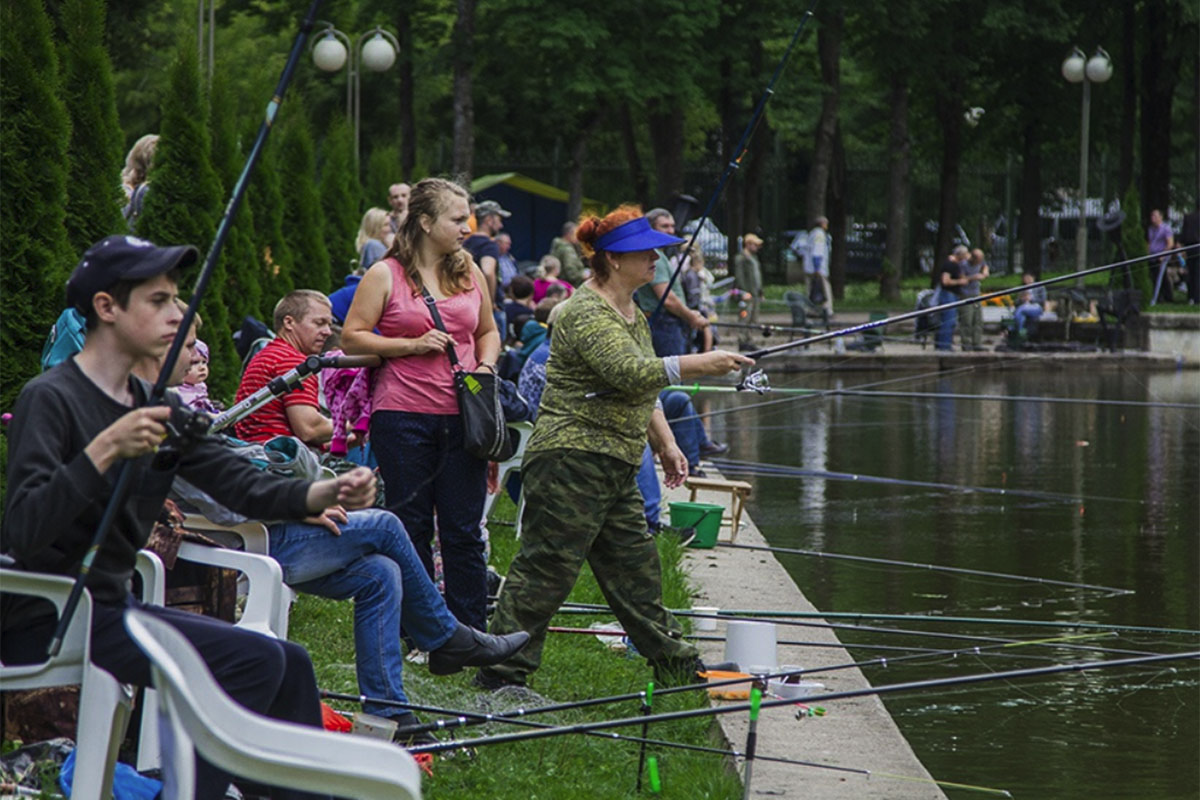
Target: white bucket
708, 622
750, 643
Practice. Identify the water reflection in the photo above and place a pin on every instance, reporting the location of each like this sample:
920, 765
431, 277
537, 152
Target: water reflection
1130, 734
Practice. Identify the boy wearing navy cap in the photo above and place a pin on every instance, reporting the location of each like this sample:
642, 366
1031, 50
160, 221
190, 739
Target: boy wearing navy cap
71, 428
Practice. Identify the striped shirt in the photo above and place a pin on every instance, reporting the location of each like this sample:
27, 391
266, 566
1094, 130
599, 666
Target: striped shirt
271, 420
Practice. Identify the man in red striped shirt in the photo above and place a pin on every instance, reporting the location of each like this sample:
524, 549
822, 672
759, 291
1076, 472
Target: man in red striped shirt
302, 324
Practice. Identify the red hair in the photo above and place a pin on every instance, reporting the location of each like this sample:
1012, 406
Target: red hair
591, 228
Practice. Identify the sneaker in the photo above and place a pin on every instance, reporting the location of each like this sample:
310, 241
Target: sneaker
713, 448
492, 681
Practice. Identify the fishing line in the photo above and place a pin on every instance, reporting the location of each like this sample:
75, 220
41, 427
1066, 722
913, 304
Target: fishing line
1000, 398
933, 567
733, 467
737, 708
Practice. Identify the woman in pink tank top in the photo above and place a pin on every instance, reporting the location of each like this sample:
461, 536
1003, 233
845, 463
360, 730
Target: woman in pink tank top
416, 432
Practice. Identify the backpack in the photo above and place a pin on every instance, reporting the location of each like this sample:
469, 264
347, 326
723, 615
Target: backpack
64, 340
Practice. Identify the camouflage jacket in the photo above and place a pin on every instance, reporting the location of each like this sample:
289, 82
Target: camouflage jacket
594, 349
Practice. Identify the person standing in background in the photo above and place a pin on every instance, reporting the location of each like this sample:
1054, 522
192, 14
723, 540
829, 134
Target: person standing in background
748, 278
817, 266
1189, 236
566, 249
1159, 239
971, 327
398, 194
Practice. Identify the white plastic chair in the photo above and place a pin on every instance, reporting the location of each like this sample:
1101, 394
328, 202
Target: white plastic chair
266, 611
523, 431
193, 711
104, 703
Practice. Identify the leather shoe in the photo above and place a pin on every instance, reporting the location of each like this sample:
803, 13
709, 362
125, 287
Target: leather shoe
713, 448
471, 648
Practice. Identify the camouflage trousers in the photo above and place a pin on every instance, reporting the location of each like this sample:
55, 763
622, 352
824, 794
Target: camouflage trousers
582, 506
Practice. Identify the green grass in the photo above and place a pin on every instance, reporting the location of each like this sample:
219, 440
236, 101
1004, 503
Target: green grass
574, 667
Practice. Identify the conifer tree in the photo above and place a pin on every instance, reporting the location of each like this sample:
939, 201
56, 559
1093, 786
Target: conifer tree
35, 252
302, 223
272, 248
94, 196
243, 290
183, 205
341, 197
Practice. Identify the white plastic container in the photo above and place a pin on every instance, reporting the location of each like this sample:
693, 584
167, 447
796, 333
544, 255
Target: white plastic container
750, 644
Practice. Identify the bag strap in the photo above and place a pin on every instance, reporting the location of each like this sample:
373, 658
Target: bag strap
431, 304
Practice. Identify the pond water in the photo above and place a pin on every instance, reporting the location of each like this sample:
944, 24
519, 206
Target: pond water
1115, 501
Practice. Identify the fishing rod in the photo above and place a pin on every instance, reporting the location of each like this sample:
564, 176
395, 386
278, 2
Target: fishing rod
769, 328
698, 388
921, 312
281, 385
831, 626
933, 567
737, 708
763, 469
197, 425
767, 613
462, 719
894, 648
739, 152
883, 661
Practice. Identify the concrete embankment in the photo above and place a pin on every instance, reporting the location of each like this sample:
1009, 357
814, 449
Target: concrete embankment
856, 733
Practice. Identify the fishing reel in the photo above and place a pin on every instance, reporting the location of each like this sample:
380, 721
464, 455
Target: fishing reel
755, 381
185, 427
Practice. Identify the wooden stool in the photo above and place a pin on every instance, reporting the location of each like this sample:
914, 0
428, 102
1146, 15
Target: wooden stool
738, 492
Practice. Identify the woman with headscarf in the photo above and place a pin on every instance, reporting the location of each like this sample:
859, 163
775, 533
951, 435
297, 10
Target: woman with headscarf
580, 468
416, 430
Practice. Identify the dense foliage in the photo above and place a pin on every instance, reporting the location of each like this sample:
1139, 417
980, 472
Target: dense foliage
870, 123
34, 134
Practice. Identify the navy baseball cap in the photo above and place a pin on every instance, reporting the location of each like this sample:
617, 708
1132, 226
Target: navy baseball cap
117, 258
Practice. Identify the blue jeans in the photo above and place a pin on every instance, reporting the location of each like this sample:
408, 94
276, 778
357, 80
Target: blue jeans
667, 334
689, 432
1027, 312
425, 469
374, 562
944, 340
647, 483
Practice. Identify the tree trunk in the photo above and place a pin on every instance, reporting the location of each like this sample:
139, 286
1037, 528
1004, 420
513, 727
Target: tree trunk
829, 46
899, 147
575, 167
1030, 200
637, 173
462, 42
666, 137
949, 108
408, 122
837, 217
760, 146
1160, 72
1129, 91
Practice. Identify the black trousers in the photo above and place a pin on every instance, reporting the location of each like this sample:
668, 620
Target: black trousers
265, 675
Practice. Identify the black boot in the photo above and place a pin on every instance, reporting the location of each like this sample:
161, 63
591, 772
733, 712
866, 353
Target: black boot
471, 648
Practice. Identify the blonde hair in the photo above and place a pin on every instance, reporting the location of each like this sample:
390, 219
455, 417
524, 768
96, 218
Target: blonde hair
137, 163
430, 199
548, 266
373, 225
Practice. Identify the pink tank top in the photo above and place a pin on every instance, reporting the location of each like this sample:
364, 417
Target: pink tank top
424, 383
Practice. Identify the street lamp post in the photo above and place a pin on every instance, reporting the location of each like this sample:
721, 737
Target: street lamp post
376, 50
1077, 68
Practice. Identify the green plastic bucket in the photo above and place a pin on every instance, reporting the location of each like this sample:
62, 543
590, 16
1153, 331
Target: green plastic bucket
704, 517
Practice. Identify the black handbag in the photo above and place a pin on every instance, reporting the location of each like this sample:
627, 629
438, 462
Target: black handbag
485, 434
